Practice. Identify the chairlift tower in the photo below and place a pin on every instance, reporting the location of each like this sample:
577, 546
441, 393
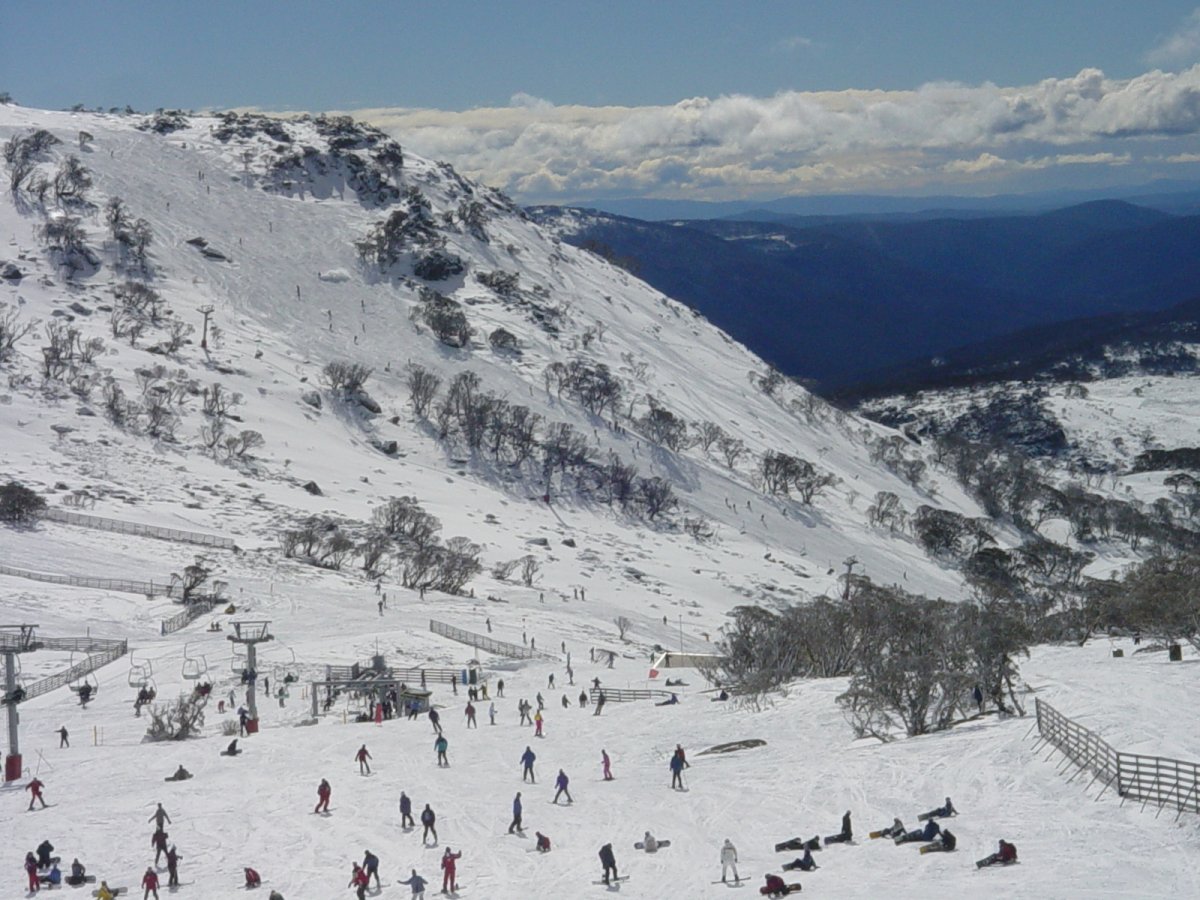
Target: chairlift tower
250, 635
14, 640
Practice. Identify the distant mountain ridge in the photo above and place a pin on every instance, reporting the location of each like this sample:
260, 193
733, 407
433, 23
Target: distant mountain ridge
841, 301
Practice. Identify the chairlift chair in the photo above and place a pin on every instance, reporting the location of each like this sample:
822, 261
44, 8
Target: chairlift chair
194, 667
139, 673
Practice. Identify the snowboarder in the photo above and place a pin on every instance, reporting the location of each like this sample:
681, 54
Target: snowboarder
527, 759
181, 774
359, 881
561, 783
418, 885
843, 836
928, 833
543, 842
323, 793
104, 892
600, 700
943, 843
677, 764
651, 844
804, 863
1006, 856
253, 879
370, 865
158, 841
150, 883
892, 831
550, 681
607, 765
434, 719
406, 819
500, 688
54, 876
609, 861
516, 819
364, 767
160, 817
78, 874
35, 793
729, 860
449, 862
44, 849
471, 723
429, 820
942, 812
776, 887
441, 745
63, 738
537, 724
173, 858
232, 749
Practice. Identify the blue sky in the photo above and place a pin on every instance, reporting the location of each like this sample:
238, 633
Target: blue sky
495, 81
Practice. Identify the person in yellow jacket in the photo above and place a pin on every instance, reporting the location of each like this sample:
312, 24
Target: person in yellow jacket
104, 892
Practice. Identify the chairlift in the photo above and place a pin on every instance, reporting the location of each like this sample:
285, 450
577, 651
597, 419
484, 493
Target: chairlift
139, 673
86, 679
194, 667
239, 661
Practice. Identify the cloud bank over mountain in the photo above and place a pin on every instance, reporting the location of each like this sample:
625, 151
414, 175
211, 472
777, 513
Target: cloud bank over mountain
941, 135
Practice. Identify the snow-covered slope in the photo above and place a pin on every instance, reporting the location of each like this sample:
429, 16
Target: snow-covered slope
292, 295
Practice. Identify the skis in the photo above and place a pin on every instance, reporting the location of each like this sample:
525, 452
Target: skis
737, 882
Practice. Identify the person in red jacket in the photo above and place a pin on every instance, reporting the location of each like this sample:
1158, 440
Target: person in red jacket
364, 768
31, 869
253, 879
449, 862
35, 789
323, 793
359, 880
150, 883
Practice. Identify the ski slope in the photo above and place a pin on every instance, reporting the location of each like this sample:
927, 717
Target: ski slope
294, 297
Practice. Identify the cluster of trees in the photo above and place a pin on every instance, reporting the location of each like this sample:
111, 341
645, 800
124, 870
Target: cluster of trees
445, 318
19, 504
216, 434
133, 236
593, 385
913, 662
401, 535
22, 152
781, 473
12, 329
410, 226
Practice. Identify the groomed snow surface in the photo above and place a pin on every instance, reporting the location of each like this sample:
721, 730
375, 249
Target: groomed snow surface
256, 809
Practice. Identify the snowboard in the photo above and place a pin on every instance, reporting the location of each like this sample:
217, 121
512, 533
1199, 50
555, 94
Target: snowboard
886, 832
813, 844
987, 861
838, 839
640, 846
612, 881
115, 891
87, 879
173, 778
234, 753
790, 889
937, 847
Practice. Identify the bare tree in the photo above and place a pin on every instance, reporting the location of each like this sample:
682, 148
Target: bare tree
422, 389
623, 625
12, 329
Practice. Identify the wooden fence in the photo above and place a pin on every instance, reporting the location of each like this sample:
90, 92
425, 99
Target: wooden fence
100, 653
120, 585
190, 613
625, 695
483, 642
66, 517
1167, 783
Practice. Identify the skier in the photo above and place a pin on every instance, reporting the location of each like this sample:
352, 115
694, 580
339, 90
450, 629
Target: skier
418, 885
523, 709
471, 723
406, 819
31, 870
159, 842
364, 767
550, 682
843, 836
607, 764
491, 713
543, 842
540, 701
582, 699
429, 820
729, 860
516, 819
359, 881
537, 722
677, 764
370, 865
441, 745
804, 863
434, 720
44, 849
599, 702
173, 858
609, 861
942, 812
527, 759
449, 862
1007, 855
160, 816
561, 783
63, 738
35, 792
566, 704
323, 793
150, 883
500, 688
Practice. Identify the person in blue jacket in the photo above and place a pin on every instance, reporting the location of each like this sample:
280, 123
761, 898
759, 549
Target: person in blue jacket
677, 771
516, 820
561, 783
417, 883
406, 819
527, 759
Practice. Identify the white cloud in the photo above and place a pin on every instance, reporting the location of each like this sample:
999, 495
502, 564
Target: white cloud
794, 141
1180, 46
792, 44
